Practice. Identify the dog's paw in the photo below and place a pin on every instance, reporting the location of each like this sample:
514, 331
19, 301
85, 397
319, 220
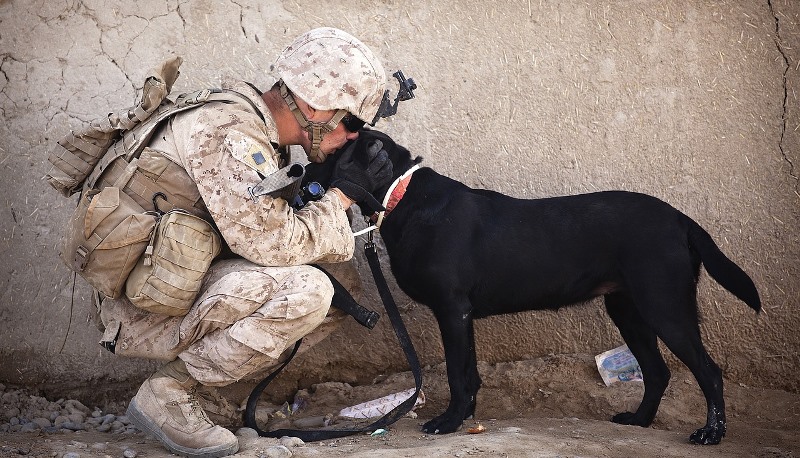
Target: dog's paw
624, 418
708, 435
629, 418
443, 424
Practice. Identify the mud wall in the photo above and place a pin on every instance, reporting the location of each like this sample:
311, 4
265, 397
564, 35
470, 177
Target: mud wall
693, 102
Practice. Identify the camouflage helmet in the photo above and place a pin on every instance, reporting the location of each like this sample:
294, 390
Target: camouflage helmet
332, 70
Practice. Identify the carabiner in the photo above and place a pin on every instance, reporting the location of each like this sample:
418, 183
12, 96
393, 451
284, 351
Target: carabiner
155, 204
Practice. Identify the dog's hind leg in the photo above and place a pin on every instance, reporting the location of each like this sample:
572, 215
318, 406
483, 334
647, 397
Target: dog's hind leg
642, 341
683, 339
668, 305
455, 324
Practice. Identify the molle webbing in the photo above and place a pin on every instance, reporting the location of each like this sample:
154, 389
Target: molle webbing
134, 140
75, 155
173, 183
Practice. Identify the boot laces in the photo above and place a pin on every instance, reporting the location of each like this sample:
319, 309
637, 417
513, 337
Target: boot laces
194, 405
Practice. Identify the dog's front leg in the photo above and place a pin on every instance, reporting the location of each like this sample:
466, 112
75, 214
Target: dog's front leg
459, 353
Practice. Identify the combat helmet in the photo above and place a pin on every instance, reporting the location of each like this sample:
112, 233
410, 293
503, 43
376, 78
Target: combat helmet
331, 70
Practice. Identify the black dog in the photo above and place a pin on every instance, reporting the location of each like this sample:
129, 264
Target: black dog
470, 253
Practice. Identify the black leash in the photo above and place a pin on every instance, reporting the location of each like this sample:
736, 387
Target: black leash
343, 300
405, 342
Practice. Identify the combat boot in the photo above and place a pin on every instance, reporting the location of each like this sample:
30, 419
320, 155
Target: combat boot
166, 407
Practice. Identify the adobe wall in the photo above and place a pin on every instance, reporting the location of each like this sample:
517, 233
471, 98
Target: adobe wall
693, 102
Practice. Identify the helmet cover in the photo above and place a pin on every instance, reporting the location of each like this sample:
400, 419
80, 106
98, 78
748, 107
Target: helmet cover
332, 70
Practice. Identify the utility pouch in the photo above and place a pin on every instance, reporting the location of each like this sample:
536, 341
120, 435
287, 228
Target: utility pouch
75, 155
168, 276
107, 234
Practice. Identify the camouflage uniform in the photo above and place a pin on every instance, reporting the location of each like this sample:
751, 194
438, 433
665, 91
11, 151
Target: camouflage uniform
250, 310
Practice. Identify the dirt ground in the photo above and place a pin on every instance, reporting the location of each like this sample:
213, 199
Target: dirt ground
551, 406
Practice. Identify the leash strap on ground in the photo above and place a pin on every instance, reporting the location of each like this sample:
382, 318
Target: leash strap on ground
393, 415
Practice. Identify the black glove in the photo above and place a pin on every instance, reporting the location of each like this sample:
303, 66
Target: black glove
359, 177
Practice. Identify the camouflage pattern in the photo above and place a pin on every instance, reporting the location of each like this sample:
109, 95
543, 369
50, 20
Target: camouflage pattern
250, 310
332, 70
245, 319
221, 146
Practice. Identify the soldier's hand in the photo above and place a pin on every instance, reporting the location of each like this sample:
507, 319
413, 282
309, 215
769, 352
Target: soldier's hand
359, 177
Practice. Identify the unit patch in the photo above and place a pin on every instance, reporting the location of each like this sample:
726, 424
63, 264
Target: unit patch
256, 155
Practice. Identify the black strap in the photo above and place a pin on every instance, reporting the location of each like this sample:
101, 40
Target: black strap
392, 416
343, 300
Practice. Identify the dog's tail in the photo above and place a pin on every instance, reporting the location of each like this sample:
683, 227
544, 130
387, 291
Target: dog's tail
722, 269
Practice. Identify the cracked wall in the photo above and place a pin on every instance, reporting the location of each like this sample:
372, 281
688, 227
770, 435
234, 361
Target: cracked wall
786, 63
696, 103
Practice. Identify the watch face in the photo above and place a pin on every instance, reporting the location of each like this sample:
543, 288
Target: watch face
315, 189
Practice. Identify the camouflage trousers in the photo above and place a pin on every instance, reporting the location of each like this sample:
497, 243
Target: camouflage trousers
244, 319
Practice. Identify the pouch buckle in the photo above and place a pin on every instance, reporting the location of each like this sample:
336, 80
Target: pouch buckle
80, 259
109, 339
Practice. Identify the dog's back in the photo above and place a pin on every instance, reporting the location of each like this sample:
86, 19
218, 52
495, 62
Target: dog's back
519, 254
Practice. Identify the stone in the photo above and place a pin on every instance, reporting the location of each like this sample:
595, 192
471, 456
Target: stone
246, 433
289, 442
276, 451
42, 422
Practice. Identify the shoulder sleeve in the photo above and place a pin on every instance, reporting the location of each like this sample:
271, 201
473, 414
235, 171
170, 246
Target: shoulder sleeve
224, 154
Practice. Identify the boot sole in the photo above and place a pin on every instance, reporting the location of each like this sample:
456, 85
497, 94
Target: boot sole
147, 426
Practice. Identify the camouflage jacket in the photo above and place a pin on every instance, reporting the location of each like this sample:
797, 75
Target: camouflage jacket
223, 147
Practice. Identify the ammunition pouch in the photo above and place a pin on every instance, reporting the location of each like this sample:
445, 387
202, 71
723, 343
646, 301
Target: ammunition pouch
167, 278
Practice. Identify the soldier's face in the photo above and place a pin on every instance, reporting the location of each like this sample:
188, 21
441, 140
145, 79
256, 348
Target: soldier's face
331, 142
336, 139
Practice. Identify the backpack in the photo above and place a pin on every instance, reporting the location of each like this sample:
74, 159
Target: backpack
134, 201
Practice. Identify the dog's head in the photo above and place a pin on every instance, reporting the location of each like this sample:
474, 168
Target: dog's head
400, 157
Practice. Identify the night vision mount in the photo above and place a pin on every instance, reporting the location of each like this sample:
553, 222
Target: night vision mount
406, 92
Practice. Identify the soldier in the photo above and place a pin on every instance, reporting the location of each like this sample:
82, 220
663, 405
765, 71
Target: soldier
255, 306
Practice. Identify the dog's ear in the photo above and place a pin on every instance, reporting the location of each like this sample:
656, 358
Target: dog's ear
417, 160
366, 138
360, 153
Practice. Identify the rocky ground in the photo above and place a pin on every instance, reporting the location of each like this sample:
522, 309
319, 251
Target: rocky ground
552, 406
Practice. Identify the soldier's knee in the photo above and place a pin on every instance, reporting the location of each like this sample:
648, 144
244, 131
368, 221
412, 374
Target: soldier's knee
319, 286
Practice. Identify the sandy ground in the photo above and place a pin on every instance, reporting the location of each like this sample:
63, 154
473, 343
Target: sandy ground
551, 406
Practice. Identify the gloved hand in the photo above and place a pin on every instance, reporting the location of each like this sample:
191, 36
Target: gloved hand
358, 178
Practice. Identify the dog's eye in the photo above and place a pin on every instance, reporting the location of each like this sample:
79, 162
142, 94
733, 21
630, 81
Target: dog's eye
352, 123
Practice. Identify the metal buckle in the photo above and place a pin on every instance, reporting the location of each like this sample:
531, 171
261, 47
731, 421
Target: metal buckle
110, 346
79, 261
191, 98
370, 243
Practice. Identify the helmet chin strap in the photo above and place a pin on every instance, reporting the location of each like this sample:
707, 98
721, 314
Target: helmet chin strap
316, 130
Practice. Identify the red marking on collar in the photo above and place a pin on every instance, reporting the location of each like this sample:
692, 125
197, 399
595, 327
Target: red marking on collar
397, 194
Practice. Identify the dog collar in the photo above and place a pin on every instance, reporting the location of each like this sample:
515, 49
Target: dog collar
393, 196
395, 193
